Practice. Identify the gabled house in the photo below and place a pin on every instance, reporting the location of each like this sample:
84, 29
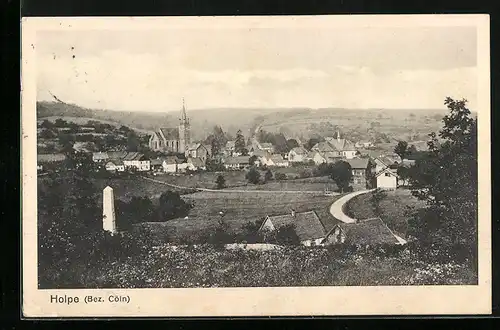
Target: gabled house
344, 147
198, 150
156, 165
137, 161
267, 147
44, 160
386, 179
366, 232
170, 164
298, 155
196, 164
308, 226
318, 158
323, 147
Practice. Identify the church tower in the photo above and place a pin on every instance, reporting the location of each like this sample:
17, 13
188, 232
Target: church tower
184, 130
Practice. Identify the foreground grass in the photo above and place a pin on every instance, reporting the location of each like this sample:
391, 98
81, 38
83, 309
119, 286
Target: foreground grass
393, 208
166, 266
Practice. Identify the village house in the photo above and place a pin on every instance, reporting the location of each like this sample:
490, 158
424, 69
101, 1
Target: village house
267, 147
318, 158
194, 164
367, 232
298, 155
137, 161
198, 150
172, 139
156, 165
361, 171
344, 147
236, 163
230, 149
307, 225
115, 165
170, 164
386, 179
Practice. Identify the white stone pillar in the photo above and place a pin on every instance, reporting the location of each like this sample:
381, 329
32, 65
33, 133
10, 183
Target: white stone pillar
108, 210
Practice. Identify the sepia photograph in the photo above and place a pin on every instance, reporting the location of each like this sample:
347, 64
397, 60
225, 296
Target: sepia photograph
254, 153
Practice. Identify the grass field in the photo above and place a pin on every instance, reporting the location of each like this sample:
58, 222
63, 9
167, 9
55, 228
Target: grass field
392, 207
204, 179
127, 187
239, 209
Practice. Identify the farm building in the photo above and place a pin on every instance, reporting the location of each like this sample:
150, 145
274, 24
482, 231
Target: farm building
298, 155
137, 161
115, 165
307, 226
366, 232
157, 164
386, 179
236, 163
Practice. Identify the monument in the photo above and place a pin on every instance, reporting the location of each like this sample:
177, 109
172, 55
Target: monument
108, 210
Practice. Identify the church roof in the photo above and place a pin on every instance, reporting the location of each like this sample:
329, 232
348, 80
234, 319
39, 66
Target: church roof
169, 133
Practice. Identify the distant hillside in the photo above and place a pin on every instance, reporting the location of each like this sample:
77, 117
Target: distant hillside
291, 121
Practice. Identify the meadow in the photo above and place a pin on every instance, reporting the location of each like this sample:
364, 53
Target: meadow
393, 208
239, 208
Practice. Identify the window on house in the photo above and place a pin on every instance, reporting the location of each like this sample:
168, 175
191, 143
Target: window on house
387, 174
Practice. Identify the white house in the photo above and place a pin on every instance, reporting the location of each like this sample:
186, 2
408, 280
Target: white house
100, 157
386, 179
170, 164
195, 163
137, 161
307, 226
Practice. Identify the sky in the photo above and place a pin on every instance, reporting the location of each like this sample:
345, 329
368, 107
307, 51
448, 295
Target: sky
152, 70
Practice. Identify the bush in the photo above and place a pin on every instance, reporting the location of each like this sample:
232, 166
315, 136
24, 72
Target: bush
280, 176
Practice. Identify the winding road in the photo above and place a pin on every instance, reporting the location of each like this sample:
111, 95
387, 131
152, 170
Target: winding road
337, 208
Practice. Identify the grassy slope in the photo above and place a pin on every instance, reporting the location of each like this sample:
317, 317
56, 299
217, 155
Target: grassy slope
393, 209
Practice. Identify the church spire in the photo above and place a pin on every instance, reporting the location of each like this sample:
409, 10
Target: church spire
183, 113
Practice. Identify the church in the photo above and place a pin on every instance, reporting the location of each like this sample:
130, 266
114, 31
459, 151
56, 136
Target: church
172, 139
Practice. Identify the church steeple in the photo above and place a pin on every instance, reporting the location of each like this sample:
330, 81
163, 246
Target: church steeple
183, 112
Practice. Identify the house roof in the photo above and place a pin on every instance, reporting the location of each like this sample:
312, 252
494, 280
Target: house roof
170, 133
170, 160
307, 224
387, 170
194, 146
358, 163
100, 155
323, 147
277, 158
196, 161
117, 154
261, 153
156, 162
48, 158
370, 232
236, 160
299, 151
341, 144
115, 162
133, 156
407, 162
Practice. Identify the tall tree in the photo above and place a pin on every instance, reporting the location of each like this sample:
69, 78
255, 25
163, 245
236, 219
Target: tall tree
341, 173
447, 180
220, 182
401, 149
253, 176
239, 143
